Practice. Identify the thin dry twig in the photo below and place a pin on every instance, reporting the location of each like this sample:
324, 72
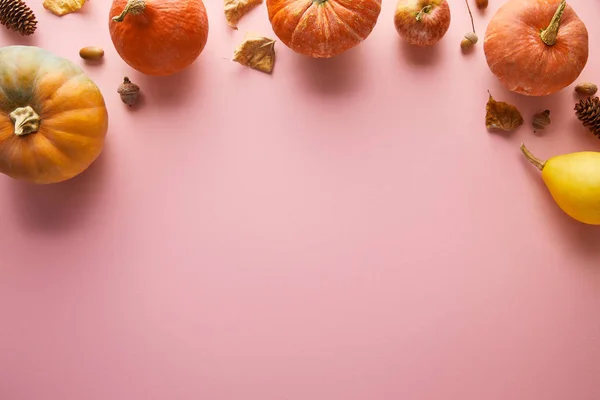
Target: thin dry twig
470, 15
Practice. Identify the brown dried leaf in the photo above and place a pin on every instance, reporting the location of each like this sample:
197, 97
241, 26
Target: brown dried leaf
541, 120
236, 9
257, 52
63, 7
501, 115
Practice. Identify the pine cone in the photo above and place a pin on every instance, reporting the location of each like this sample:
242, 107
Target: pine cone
16, 15
588, 112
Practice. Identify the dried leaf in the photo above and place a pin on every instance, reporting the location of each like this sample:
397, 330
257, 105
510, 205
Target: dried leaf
501, 115
541, 120
257, 52
236, 9
63, 7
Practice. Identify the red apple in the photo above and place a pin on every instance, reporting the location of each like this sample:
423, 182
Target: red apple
422, 22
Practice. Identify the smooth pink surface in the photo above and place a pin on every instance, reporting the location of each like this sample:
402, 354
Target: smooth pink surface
334, 245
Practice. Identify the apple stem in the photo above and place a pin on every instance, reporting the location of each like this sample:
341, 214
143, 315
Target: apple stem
540, 164
470, 15
424, 10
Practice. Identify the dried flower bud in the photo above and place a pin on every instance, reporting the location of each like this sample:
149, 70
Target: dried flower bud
586, 88
129, 92
481, 4
541, 120
469, 40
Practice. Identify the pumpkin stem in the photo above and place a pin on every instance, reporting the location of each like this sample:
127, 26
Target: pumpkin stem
549, 34
133, 7
26, 120
540, 164
424, 10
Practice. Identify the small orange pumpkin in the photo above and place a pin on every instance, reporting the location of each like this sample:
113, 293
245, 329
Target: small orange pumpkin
53, 119
536, 47
158, 37
323, 28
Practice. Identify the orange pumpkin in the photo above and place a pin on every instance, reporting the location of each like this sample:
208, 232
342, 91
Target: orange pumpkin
536, 47
158, 37
53, 120
323, 28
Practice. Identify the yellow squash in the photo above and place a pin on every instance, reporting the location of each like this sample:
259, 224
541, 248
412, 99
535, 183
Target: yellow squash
574, 183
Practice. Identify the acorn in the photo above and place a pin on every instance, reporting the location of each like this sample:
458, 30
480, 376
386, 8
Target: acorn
129, 92
91, 53
481, 4
586, 88
469, 40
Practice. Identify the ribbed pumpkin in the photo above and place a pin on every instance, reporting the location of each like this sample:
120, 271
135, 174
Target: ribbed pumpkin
158, 37
323, 28
53, 119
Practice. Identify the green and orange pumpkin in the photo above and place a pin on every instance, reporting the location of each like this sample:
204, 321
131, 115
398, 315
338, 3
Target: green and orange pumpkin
53, 119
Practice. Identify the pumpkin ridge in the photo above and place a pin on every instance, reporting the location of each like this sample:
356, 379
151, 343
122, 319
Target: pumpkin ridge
58, 88
68, 80
327, 31
42, 104
291, 3
34, 84
54, 147
301, 20
65, 158
4, 93
64, 134
56, 114
6, 131
56, 123
355, 10
19, 145
6, 147
342, 21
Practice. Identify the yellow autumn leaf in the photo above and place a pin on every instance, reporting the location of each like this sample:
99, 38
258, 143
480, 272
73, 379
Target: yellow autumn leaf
256, 52
236, 9
63, 7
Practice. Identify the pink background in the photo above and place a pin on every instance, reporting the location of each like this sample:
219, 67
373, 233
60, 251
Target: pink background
336, 245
